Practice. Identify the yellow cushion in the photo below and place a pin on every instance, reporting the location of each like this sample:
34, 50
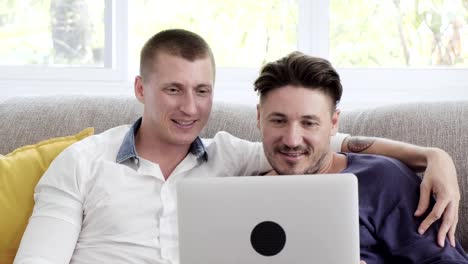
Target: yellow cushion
19, 173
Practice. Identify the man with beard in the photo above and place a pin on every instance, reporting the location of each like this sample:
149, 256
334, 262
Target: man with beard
297, 115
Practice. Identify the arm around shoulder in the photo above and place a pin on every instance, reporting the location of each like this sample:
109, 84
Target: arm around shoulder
440, 178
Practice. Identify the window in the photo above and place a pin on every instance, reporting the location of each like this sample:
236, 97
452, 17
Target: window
394, 51
386, 51
242, 33
52, 33
62, 40
399, 33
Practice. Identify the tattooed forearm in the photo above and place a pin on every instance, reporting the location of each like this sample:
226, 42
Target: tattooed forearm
359, 144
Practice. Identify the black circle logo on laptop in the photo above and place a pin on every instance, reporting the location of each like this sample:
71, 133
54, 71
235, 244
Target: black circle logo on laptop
268, 238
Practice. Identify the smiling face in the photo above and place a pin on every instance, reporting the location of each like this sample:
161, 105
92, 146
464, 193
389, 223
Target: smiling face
296, 124
177, 98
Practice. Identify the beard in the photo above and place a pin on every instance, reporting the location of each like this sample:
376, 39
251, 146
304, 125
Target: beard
311, 164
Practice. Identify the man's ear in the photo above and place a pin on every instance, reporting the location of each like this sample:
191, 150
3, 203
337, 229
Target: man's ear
138, 89
258, 115
335, 121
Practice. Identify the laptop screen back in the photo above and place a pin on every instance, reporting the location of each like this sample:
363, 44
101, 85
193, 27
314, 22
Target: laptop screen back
269, 219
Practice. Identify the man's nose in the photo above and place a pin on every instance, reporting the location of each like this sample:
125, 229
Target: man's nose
188, 105
292, 136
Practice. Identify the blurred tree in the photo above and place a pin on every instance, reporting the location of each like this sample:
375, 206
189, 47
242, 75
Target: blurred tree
399, 33
71, 31
6, 11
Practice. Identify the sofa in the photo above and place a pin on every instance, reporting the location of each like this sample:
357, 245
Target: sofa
27, 120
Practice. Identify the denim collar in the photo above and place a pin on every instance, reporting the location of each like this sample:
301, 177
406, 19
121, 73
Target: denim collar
128, 151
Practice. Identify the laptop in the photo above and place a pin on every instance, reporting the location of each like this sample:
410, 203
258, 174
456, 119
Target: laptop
290, 219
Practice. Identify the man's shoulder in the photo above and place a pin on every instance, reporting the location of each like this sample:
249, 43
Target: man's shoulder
97, 145
107, 138
383, 181
381, 169
372, 161
225, 141
236, 156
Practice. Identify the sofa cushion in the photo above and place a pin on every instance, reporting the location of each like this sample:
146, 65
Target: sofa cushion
25, 120
19, 173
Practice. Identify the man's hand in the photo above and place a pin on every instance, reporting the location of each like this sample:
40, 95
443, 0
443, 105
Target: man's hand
440, 178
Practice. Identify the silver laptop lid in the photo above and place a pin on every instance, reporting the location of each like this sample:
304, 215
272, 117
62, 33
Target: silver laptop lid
269, 219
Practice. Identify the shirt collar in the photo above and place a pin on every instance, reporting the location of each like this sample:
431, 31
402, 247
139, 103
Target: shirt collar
128, 151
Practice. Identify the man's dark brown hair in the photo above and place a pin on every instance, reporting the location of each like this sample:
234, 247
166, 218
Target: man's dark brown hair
298, 69
178, 42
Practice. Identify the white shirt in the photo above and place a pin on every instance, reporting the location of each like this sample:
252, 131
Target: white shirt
91, 209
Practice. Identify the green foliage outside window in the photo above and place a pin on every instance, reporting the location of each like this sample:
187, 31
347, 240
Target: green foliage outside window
69, 32
417, 33
242, 33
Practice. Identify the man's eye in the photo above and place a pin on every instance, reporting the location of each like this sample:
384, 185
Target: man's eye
203, 92
277, 121
309, 123
172, 90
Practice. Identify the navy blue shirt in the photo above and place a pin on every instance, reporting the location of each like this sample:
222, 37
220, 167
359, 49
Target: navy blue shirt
388, 197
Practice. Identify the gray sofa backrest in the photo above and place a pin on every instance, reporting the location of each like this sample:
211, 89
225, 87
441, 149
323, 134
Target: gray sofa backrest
27, 120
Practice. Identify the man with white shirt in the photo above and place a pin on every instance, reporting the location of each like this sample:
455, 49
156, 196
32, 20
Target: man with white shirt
110, 198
